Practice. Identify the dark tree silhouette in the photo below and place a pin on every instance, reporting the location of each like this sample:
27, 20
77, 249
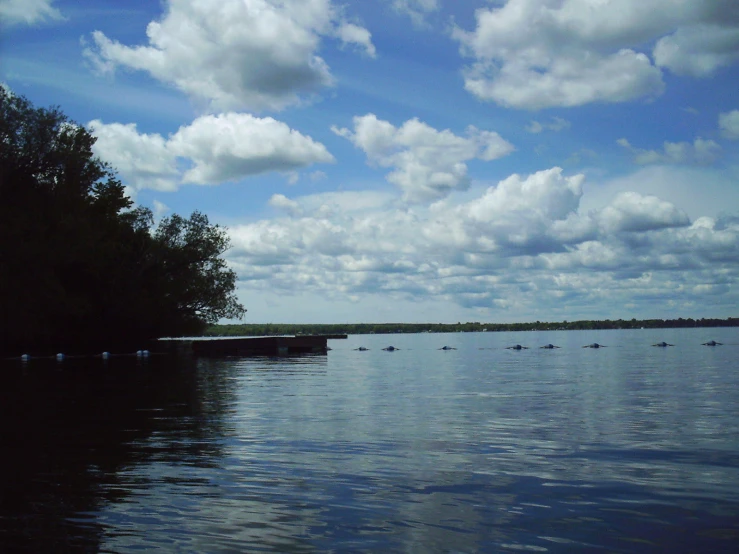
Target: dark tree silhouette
79, 268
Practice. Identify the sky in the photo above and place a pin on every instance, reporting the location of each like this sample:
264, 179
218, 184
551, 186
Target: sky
418, 160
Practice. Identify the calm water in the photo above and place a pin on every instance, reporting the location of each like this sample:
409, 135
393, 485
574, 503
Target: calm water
629, 448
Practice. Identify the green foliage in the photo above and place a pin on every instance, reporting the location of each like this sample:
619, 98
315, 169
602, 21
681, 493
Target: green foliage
194, 280
78, 267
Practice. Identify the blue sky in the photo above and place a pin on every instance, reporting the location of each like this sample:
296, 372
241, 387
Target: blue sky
419, 160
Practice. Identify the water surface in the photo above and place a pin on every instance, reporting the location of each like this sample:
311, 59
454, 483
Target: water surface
629, 448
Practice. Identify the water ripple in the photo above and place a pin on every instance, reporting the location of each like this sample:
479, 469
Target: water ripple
625, 449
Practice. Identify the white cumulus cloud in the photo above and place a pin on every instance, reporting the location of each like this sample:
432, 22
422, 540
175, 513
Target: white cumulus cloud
701, 152
211, 150
515, 217
143, 160
633, 212
729, 124
427, 163
555, 124
522, 244
230, 146
232, 54
282, 202
417, 10
160, 209
699, 50
27, 12
535, 54
349, 33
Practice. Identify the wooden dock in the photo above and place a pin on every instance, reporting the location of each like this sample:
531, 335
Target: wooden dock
259, 346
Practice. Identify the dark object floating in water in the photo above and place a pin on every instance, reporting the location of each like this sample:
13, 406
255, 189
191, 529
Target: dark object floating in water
712, 343
447, 348
595, 345
362, 349
550, 346
250, 346
663, 344
391, 348
517, 347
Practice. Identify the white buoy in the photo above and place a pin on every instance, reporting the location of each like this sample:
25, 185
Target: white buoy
145, 353
59, 357
25, 358
139, 353
105, 355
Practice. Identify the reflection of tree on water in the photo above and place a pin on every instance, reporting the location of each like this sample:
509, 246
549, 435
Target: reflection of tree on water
70, 433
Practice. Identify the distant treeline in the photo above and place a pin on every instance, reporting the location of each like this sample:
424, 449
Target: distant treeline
265, 329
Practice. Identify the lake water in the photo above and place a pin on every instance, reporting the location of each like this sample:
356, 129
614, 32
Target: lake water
629, 448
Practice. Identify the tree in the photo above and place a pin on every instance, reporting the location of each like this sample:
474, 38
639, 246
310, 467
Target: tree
193, 283
79, 268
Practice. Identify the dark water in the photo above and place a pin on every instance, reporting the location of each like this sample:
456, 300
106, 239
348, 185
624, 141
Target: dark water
629, 448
